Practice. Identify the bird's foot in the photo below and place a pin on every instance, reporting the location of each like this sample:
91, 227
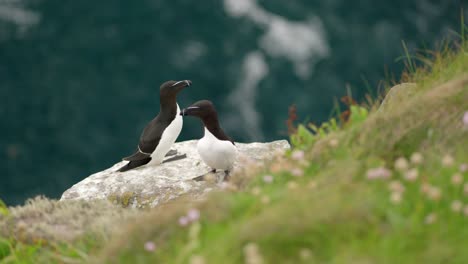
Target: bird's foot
203, 176
171, 152
178, 157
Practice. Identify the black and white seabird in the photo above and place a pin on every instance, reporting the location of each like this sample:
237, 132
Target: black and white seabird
216, 149
159, 135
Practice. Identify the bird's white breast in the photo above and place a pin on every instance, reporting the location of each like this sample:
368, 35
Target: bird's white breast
168, 138
217, 154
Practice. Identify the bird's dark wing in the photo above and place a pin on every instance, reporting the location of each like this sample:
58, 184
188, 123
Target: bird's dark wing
149, 140
137, 156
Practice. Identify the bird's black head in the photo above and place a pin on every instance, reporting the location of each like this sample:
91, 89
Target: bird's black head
206, 111
172, 88
203, 109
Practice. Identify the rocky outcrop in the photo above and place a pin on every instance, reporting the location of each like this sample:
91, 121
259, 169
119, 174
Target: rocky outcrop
152, 185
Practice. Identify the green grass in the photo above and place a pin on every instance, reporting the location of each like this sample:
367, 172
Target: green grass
321, 206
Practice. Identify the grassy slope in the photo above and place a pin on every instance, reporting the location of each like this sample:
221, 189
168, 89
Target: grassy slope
334, 213
330, 212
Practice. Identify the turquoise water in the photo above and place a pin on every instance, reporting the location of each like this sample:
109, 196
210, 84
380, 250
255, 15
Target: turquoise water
79, 79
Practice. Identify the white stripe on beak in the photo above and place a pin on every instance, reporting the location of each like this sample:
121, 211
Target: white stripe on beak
177, 83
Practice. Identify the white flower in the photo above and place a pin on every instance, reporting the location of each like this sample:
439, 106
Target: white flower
447, 161
430, 218
197, 260
395, 197
457, 179
416, 158
465, 210
305, 253
401, 164
292, 185
396, 186
425, 188
456, 206
334, 143
256, 191
265, 199
252, 254
434, 193
411, 175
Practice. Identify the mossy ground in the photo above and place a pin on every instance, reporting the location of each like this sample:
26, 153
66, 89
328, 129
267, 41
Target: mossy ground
387, 186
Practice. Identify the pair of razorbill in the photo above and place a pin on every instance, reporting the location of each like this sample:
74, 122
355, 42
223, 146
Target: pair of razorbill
216, 149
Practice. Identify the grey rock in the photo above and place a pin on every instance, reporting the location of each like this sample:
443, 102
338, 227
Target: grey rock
397, 94
153, 185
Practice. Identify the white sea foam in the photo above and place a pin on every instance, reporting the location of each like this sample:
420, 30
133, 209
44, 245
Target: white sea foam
254, 69
191, 52
303, 43
13, 11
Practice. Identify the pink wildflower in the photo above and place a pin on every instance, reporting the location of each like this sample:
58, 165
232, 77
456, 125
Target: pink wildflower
193, 215
184, 220
457, 179
298, 155
463, 167
378, 173
268, 179
150, 246
465, 120
297, 172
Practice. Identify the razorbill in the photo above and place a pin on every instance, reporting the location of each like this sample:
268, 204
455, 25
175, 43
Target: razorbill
159, 135
216, 149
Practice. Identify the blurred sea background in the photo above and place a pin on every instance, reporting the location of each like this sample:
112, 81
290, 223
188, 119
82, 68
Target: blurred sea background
80, 79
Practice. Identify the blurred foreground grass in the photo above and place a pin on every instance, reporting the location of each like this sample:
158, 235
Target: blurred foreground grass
389, 185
